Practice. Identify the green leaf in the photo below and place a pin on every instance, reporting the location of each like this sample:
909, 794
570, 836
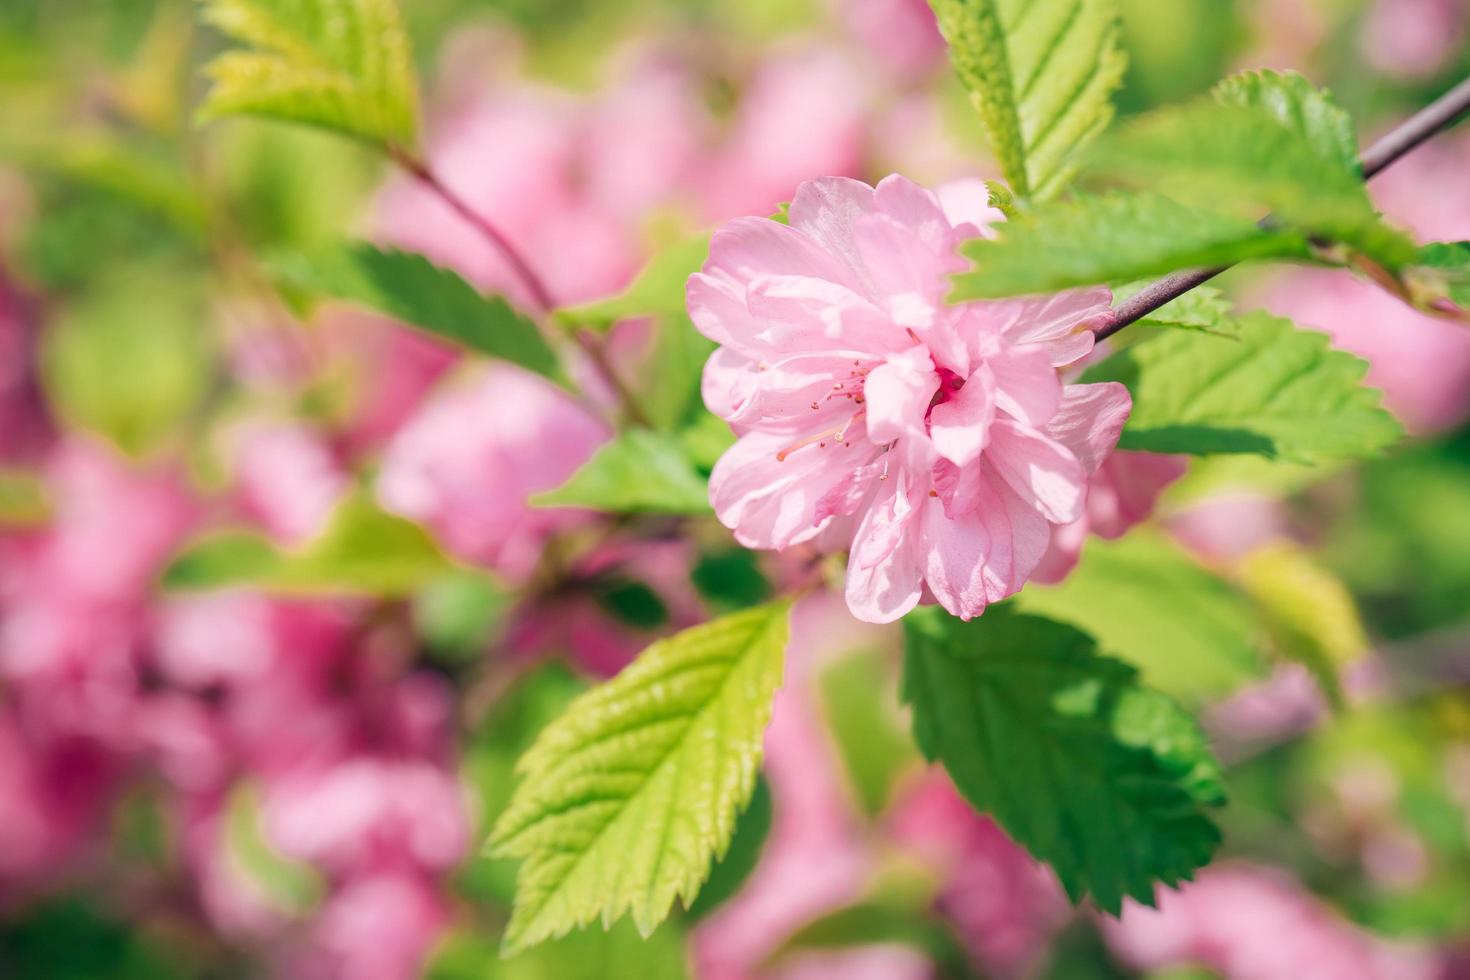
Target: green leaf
132, 374
862, 717
1300, 106
657, 290
1243, 161
408, 287
341, 64
1309, 612
1147, 601
1112, 238
626, 799
1041, 74
1097, 775
679, 351
730, 873
593, 954
638, 472
1271, 388
362, 551
1202, 308
1451, 263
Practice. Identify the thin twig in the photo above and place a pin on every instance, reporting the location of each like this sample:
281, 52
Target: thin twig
540, 295
1421, 126
522, 269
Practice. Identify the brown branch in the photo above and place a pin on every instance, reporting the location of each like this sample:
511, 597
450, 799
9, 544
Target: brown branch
1437, 116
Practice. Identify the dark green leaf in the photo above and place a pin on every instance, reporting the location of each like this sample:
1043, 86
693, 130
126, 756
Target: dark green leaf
1102, 778
409, 287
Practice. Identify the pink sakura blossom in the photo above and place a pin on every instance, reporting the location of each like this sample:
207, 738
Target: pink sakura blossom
936, 442
467, 462
1249, 923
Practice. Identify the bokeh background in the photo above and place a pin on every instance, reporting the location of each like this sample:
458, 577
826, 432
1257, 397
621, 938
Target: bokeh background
245, 783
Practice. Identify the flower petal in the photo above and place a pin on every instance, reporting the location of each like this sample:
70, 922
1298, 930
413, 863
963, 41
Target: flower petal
897, 396
768, 495
1042, 471
985, 555
1026, 383
1089, 420
884, 575
960, 427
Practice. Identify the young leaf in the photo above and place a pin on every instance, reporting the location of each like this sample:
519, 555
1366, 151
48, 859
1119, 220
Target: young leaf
1097, 775
341, 64
639, 472
1041, 74
1112, 238
1147, 601
1243, 161
1300, 106
1271, 388
408, 287
362, 551
627, 798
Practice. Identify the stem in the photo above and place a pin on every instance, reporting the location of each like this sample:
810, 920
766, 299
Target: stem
523, 271
1416, 129
502, 244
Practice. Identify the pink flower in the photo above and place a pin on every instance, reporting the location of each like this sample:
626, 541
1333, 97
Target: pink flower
1251, 923
1122, 493
901, 33
936, 442
1004, 905
289, 480
467, 462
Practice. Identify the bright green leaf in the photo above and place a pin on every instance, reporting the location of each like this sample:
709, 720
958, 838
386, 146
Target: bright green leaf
1309, 612
1300, 106
1244, 162
1041, 74
409, 287
341, 64
1189, 632
638, 472
1271, 388
1102, 778
362, 551
1112, 238
626, 799
729, 874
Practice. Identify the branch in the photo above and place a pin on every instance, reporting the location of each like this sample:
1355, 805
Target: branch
1421, 126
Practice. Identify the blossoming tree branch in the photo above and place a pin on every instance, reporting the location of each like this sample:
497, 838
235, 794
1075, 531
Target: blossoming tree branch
923, 395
